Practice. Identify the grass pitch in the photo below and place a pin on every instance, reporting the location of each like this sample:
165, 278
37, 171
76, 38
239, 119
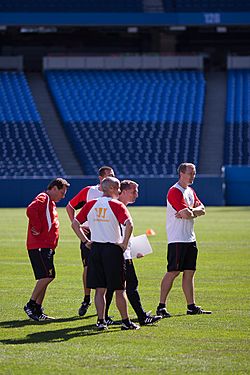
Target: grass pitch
215, 344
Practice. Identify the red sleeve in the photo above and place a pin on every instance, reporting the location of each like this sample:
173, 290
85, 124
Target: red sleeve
35, 211
120, 211
82, 215
176, 199
197, 202
80, 199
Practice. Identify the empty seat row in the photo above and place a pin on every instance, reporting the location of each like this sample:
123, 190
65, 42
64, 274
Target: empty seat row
25, 149
237, 125
140, 122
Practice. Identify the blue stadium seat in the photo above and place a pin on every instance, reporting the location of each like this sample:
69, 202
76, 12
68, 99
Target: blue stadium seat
24, 143
237, 127
140, 122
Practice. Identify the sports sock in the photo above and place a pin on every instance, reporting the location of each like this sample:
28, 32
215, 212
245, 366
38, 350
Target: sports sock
31, 303
86, 299
192, 306
161, 305
126, 321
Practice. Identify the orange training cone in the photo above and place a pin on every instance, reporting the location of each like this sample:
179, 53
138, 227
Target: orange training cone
150, 232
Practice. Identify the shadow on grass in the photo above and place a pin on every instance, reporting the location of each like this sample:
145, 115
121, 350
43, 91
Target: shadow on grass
59, 335
29, 322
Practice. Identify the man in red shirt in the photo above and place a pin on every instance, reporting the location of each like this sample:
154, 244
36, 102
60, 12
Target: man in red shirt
77, 202
106, 261
42, 239
183, 206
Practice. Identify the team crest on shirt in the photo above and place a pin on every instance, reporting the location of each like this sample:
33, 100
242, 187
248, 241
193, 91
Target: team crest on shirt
101, 214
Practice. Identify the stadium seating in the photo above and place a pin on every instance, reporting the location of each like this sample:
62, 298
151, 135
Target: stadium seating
25, 147
206, 5
140, 122
71, 6
237, 132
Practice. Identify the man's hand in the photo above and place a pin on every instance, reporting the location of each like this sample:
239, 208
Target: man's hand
85, 229
88, 244
139, 255
123, 246
185, 213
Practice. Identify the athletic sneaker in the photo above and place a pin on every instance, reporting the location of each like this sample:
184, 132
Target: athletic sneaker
101, 326
31, 313
163, 312
198, 310
131, 325
109, 320
149, 319
83, 309
42, 316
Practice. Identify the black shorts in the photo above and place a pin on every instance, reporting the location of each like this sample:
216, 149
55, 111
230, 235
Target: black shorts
42, 263
106, 267
85, 253
182, 256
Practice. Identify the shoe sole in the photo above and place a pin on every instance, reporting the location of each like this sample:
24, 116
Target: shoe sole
200, 313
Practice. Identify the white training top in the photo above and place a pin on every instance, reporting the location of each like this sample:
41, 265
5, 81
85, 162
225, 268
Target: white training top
180, 230
104, 217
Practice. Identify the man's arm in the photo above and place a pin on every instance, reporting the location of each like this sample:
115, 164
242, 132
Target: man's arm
70, 211
199, 210
127, 234
76, 226
190, 212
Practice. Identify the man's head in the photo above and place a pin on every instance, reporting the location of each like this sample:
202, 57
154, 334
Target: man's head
104, 172
57, 189
110, 187
129, 191
187, 173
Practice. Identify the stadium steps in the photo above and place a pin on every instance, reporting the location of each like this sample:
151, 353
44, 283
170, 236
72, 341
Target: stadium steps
52, 124
212, 138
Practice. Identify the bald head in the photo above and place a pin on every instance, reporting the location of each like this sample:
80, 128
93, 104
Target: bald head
111, 187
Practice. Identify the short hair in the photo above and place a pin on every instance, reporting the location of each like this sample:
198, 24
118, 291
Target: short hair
108, 182
102, 170
183, 166
59, 183
127, 184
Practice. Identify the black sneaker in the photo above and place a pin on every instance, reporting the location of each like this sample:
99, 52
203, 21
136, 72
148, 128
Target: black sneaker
31, 313
198, 310
109, 320
101, 326
163, 312
150, 319
83, 309
44, 316
131, 325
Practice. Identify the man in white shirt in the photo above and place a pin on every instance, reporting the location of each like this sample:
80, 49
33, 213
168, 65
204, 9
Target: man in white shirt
76, 203
128, 195
183, 206
106, 262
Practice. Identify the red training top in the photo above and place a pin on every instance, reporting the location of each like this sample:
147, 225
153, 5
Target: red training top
43, 218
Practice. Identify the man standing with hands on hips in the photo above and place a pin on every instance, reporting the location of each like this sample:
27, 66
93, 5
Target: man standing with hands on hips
106, 268
183, 206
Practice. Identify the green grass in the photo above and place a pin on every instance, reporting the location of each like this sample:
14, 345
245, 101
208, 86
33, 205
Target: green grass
215, 344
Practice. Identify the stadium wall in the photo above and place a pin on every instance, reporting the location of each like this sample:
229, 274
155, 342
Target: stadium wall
152, 191
237, 185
